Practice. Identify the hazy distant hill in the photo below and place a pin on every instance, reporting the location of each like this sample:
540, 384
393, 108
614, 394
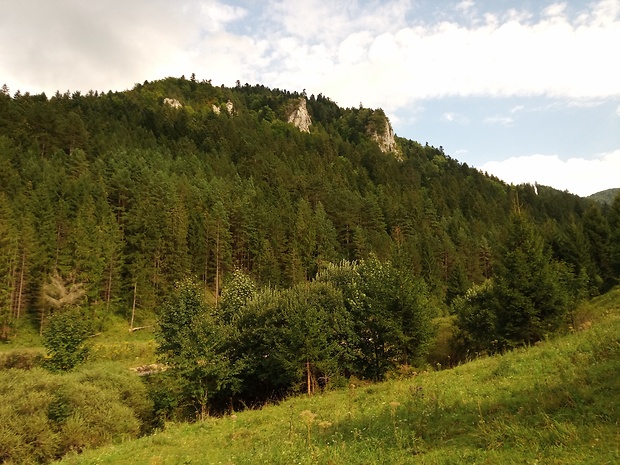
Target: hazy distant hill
606, 196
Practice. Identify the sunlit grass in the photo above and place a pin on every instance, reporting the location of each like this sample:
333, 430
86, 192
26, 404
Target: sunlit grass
113, 342
555, 403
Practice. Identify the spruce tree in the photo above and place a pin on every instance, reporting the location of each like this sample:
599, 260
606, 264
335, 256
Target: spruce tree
8, 265
530, 302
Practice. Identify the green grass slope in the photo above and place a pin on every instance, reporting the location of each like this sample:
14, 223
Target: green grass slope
555, 403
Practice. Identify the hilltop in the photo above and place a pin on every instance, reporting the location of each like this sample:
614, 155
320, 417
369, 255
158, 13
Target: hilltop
607, 196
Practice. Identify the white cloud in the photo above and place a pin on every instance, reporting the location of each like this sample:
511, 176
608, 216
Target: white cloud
577, 175
508, 55
498, 119
354, 48
349, 50
70, 44
215, 16
465, 5
453, 117
554, 10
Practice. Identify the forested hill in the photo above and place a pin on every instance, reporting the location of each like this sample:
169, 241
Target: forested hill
606, 196
119, 195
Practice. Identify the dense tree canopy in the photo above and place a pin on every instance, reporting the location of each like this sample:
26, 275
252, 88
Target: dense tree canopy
128, 195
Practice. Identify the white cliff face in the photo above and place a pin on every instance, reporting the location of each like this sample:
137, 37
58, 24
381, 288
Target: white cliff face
386, 140
230, 108
300, 117
174, 103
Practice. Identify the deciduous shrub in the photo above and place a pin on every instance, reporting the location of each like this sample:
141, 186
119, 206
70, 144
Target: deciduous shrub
45, 415
64, 340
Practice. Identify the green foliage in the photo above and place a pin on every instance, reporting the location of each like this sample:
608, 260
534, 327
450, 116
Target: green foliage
606, 196
476, 320
356, 319
64, 339
8, 261
192, 343
24, 359
238, 290
121, 196
291, 339
547, 404
614, 223
127, 196
45, 416
390, 314
530, 300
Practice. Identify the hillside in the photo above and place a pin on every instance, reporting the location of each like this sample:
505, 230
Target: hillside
606, 197
258, 244
552, 403
123, 194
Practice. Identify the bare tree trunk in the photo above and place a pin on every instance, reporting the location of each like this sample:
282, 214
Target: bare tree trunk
309, 377
20, 291
133, 307
41, 319
206, 275
108, 289
217, 265
12, 282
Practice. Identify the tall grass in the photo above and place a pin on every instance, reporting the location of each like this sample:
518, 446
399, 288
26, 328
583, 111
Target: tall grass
555, 403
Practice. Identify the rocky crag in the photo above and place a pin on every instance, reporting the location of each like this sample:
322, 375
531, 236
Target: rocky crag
300, 117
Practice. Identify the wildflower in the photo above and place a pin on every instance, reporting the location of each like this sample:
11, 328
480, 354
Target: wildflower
324, 424
307, 416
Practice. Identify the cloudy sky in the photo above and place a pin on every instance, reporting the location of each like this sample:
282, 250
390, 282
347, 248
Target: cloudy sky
528, 90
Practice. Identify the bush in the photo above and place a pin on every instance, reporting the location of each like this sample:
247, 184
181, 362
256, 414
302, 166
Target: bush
476, 321
64, 340
46, 415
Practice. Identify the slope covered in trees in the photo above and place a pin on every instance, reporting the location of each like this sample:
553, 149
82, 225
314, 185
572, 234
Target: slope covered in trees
119, 195
273, 260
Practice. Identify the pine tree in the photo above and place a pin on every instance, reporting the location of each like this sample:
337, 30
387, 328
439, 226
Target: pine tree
614, 223
596, 228
9, 255
530, 302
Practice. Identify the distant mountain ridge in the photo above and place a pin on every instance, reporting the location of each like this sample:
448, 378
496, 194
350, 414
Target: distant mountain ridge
607, 196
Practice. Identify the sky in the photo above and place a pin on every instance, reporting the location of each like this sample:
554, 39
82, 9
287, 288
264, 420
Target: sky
527, 90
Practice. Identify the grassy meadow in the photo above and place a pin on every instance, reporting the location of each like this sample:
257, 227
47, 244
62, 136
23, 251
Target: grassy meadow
554, 403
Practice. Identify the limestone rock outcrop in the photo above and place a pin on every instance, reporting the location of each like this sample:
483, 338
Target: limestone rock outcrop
383, 134
174, 103
230, 108
385, 140
300, 117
